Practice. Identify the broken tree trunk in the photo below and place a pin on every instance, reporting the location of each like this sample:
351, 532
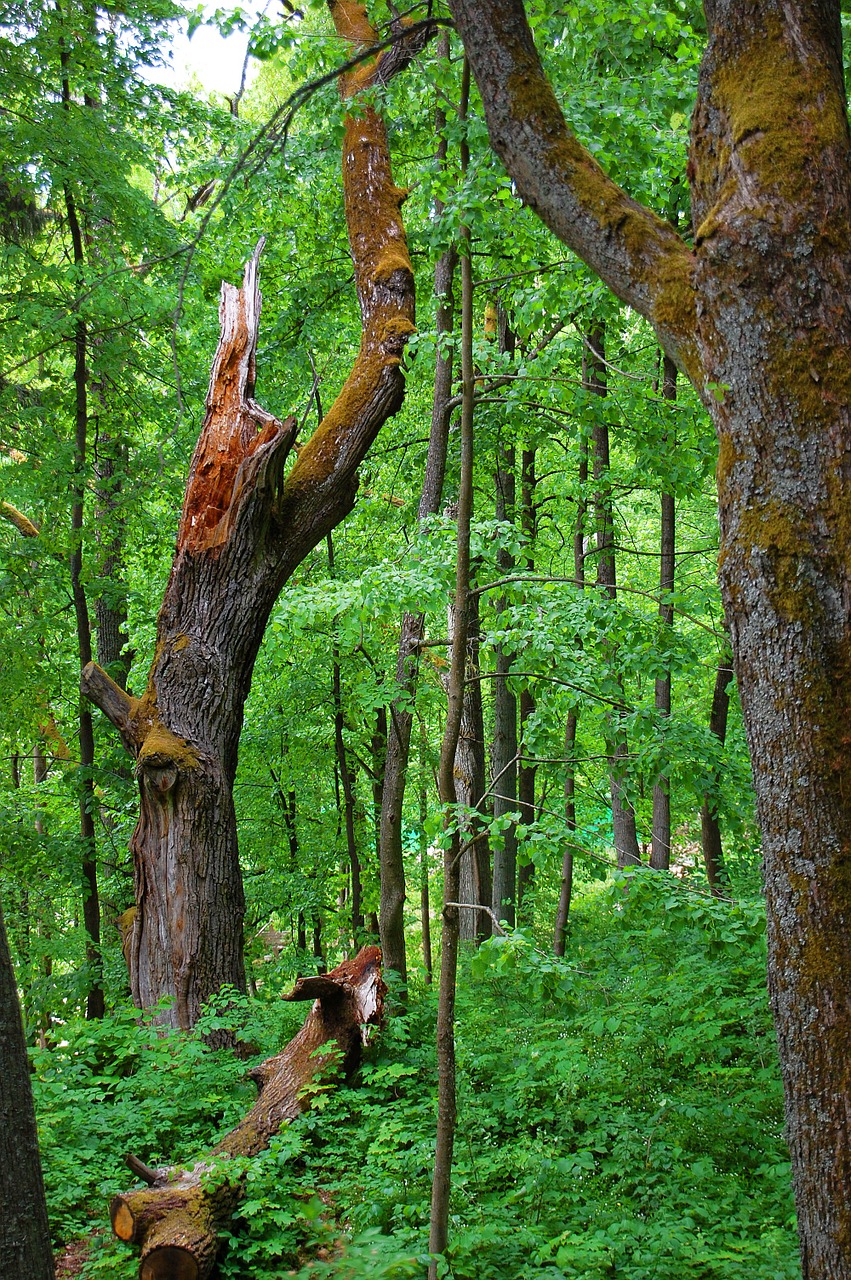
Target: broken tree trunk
176, 1219
245, 527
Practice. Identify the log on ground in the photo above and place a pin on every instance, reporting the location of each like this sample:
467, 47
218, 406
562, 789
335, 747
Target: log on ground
176, 1219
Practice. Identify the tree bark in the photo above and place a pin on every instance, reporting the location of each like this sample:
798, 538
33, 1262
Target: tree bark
474, 886
757, 318
660, 840
447, 1105
25, 1251
710, 829
175, 1220
392, 869
244, 529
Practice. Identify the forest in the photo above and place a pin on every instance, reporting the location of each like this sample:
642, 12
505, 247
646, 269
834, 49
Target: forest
425, 786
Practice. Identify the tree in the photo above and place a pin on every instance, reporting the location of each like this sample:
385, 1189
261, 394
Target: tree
24, 1236
244, 529
765, 341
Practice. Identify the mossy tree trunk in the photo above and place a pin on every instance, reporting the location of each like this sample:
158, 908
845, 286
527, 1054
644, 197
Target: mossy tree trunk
757, 317
244, 528
175, 1219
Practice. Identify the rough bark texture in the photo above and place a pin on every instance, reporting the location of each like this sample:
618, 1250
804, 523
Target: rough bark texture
175, 1219
710, 829
759, 315
660, 840
243, 531
25, 1252
526, 767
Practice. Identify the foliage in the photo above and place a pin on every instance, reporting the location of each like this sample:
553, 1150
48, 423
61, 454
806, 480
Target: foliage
620, 1113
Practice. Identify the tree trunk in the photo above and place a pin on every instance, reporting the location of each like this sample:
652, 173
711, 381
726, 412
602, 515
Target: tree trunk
757, 317
392, 869
660, 842
572, 724
526, 769
710, 830
243, 531
474, 886
347, 780
617, 749
25, 1251
447, 1104
175, 1219
504, 749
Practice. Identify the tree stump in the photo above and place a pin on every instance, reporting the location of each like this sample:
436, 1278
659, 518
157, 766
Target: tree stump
175, 1218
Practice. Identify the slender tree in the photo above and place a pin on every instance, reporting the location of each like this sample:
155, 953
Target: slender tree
392, 914
710, 827
660, 841
595, 380
446, 1091
765, 342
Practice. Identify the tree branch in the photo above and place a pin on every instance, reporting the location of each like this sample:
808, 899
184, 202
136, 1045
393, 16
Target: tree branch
640, 257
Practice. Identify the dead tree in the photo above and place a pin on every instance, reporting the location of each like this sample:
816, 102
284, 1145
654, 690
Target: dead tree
245, 527
177, 1217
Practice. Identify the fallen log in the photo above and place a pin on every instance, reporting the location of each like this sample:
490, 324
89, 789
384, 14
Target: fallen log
176, 1218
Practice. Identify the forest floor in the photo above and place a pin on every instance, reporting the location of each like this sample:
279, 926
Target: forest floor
620, 1113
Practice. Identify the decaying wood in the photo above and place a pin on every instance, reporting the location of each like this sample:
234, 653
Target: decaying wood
244, 529
175, 1218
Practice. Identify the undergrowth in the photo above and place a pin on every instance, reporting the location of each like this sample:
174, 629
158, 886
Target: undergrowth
620, 1115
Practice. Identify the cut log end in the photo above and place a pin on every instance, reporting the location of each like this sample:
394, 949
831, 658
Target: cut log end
122, 1219
170, 1262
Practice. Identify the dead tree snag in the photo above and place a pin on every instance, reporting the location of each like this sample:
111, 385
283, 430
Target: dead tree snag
175, 1218
243, 531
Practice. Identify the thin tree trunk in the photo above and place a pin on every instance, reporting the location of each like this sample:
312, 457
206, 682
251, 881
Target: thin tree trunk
446, 1092
623, 814
244, 529
526, 768
660, 843
425, 905
755, 313
391, 864
713, 853
504, 749
25, 1251
572, 724
474, 873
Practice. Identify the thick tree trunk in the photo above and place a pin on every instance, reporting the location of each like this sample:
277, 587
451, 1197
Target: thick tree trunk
757, 317
660, 841
25, 1251
710, 828
243, 531
391, 864
175, 1220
